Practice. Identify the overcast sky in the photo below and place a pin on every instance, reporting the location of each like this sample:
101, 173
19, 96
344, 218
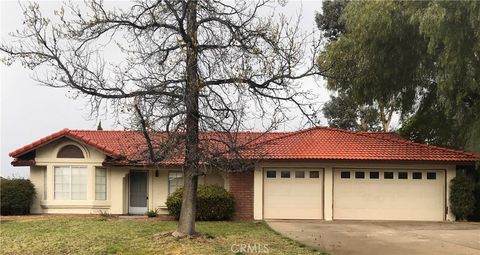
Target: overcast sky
29, 111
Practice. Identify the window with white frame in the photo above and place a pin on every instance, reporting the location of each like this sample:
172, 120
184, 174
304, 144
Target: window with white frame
100, 184
45, 181
70, 183
175, 181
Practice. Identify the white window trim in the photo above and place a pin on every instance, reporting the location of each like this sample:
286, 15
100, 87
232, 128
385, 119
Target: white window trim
45, 183
86, 153
70, 183
106, 183
176, 172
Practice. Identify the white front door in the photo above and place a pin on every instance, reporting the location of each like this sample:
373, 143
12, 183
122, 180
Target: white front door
138, 189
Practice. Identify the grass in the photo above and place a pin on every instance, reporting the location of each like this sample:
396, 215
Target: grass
113, 236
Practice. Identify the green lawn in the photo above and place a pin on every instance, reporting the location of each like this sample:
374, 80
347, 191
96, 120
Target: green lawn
100, 236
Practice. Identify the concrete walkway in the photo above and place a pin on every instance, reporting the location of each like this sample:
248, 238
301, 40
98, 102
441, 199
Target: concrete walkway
384, 237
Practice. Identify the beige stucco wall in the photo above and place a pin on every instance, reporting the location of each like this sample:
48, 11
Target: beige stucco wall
117, 189
117, 182
46, 159
36, 177
328, 167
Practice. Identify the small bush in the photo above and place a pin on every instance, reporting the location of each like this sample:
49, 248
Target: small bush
16, 196
152, 213
213, 203
174, 203
462, 199
476, 212
105, 215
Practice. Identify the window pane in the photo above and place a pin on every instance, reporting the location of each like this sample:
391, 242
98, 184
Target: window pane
417, 175
374, 175
285, 174
359, 175
70, 183
62, 183
271, 174
299, 174
175, 181
70, 151
100, 196
388, 175
100, 184
402, 175
314, 174
431, 175
345, 175
79, 183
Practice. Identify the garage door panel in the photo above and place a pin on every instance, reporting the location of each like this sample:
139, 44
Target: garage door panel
294, 213
389, 199
293, 198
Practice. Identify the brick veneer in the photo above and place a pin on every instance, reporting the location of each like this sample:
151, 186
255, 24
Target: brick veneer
241, 186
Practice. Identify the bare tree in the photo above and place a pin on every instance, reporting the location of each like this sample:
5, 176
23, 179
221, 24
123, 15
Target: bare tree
186, 67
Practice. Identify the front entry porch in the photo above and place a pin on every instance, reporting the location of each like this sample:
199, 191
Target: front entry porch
148, 189
137, 192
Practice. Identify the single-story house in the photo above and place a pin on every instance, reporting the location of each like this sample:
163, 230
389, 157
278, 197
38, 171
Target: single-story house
317, 173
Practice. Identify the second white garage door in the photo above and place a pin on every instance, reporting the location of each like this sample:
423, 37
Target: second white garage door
293, 194
389, 194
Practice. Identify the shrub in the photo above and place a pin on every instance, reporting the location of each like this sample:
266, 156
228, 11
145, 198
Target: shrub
174, 203
152, 213
105, 215
213, 203
16, 196
476, 212
462, 199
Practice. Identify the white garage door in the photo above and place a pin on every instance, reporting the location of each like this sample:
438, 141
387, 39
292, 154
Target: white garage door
389, 194
293, 194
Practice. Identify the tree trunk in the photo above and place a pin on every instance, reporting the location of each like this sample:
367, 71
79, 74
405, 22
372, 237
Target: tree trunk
383, 117
186, 224
363, 121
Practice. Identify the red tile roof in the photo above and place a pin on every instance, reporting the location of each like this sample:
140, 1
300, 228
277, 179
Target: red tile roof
333, 143
128, 147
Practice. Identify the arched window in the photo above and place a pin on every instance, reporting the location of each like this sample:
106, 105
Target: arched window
70, 151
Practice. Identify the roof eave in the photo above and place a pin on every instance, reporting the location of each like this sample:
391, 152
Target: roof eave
449, 162
19, 162
56, 136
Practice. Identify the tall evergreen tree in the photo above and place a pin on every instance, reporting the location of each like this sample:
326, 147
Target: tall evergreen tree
393, 53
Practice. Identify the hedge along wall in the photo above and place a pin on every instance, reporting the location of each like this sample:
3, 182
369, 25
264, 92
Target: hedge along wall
16, 196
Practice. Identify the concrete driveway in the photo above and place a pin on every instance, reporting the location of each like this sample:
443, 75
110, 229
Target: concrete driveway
384, 237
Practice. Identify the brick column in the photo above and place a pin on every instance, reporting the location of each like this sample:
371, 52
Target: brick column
241, 186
